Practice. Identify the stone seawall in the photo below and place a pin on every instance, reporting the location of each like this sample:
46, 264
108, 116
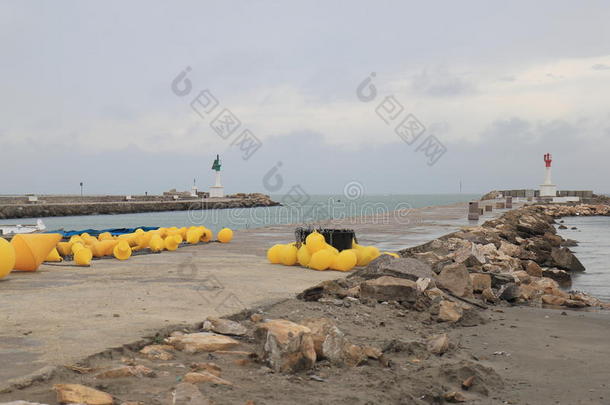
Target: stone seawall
10, 211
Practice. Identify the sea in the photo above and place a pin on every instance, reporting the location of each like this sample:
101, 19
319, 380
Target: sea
593, 250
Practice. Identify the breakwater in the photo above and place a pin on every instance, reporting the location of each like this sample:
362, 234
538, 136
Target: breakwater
109, 205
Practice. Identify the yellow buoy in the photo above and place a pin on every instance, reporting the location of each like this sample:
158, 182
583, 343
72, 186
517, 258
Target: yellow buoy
54, 256
171, 242
76, 247
225, 235
32, 249
7, 257
83, 257
315, 241
273, 254
303, 256
207, 236
345, 260
193, 236
122, 250
156, 243
288, 255
64, 248
321, 260
104, 236
391, 254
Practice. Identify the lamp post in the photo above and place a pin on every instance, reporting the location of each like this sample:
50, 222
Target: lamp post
81, 188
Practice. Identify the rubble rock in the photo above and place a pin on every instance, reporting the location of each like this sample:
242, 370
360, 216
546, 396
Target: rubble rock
575, 304
158, 352
456, 279
211, 368
126, 371
533, 269
553, 300
201, 342
80, 394
388, 288
402, 267
489, 296
510, 292
449, 311
480, 281
561, 276
424, 284
204, 376
454, 397
564, 259
438, 344
522, 277
321, 330
328, 288
224, 326
188, 394
470, 256
286, 346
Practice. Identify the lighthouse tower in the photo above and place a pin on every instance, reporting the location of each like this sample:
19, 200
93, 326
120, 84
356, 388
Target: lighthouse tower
548, 189
217, 190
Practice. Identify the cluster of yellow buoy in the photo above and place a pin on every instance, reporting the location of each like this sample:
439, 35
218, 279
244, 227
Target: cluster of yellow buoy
28, 252
316, 254
85, 247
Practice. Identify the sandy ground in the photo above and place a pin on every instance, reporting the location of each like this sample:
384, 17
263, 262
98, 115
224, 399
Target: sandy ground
63, 313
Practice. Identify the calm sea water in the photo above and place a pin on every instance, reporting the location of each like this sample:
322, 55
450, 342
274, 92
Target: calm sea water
309, 209
593, 250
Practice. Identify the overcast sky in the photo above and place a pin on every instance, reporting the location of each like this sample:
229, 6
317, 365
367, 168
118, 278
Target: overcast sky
86, 94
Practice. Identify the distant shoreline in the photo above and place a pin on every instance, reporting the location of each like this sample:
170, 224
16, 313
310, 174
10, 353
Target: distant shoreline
63, 206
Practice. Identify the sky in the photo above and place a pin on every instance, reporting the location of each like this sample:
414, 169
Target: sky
133, 96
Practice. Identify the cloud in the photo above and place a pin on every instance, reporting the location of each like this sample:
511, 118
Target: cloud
600, 66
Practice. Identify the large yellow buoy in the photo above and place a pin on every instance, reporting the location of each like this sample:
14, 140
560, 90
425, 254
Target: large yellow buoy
315, 241
273, 254
172, 241
303, 256
83, 257
32, 249
369, 254
207, 236
64, 248
156, 243
321, 260
54, 256
76, 247
344, 261
225, 235
288, 255
7, 258
193, 236
122, 250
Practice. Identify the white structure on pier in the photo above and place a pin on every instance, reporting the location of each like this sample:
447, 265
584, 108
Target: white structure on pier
217, 190
548, 189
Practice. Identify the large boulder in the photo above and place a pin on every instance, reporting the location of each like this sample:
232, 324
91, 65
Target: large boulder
565, 259
456, 279
388, 288
400, 267
285, 346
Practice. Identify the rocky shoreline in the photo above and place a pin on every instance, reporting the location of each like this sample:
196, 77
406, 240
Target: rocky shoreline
40, 210
393, 332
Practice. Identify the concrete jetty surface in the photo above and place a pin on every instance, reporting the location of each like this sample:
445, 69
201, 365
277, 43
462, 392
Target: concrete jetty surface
63, 313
